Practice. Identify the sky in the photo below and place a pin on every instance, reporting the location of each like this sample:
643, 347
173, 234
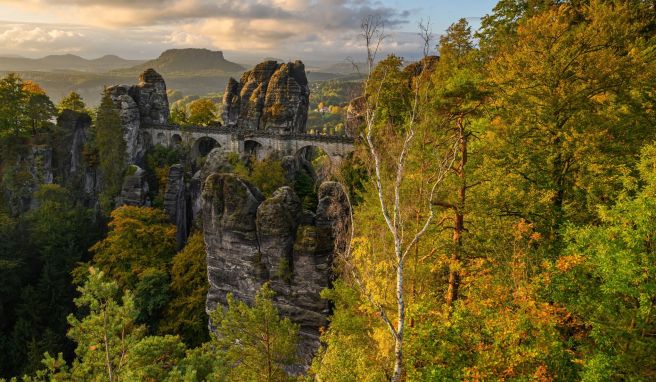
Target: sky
285, 29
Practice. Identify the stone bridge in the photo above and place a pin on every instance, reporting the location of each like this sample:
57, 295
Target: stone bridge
201, 140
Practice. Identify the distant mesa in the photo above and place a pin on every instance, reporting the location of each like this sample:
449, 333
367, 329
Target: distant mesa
189, 60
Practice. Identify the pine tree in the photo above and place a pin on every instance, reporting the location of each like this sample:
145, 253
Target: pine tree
258, 344
111, 150
73, 101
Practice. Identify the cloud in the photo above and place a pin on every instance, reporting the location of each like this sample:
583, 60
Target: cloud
324, 14
278, 27
34, 38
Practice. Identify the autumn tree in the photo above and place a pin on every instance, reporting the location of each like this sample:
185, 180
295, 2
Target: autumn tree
565, 89
185, 314
179, 115
137, 254
393, 102
202, 112
40, 109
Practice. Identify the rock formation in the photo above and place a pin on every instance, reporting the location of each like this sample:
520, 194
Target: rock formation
139, 105
135, 188
61, 161
251, 240
176, 203
71, 165
271, 96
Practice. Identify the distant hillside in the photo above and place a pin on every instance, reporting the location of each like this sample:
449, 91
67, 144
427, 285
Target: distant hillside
192, 60
344, 68
66, 62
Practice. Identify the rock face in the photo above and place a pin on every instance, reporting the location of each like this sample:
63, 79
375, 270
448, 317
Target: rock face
71, 167
151, 97
140, 105
176, 203
251, 240
135, 188
31, 168
271, 96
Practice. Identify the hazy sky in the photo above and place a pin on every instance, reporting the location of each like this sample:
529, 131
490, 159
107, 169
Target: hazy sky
309, 29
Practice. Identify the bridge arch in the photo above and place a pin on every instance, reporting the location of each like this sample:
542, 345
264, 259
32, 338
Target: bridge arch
254, 148
144, 140
202, 146
323, 163
176, 140
161, 139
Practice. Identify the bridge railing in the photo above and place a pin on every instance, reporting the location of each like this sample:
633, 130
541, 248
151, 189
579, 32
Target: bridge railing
245, 134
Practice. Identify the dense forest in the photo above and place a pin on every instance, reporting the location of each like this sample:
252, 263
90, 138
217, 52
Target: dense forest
503, 194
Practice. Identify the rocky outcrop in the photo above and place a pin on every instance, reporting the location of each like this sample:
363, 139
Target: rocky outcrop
271, 96
135, 188
128, 109
32, 168
151, 97
72, 166
251, 240
176, 203
140, 105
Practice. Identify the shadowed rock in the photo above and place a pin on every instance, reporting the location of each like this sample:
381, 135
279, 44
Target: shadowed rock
140, 105
251, 240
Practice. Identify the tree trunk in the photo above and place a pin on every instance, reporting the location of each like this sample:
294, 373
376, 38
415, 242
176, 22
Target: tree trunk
400, 306
459, 219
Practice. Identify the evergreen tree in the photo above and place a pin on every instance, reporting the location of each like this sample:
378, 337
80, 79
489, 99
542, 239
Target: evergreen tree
14, 119
258, 344
107, 334
111, 147
73, 101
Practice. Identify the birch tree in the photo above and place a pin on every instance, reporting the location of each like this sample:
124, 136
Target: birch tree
385, 110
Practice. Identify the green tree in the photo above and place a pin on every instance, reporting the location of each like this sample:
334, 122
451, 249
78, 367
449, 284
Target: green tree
40, 109
111, 147
258, 344
73, 101
185, 315
202, 112
607, 279
59, 233
349, 353
154, 358
13, 106
268, 175
107, 334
